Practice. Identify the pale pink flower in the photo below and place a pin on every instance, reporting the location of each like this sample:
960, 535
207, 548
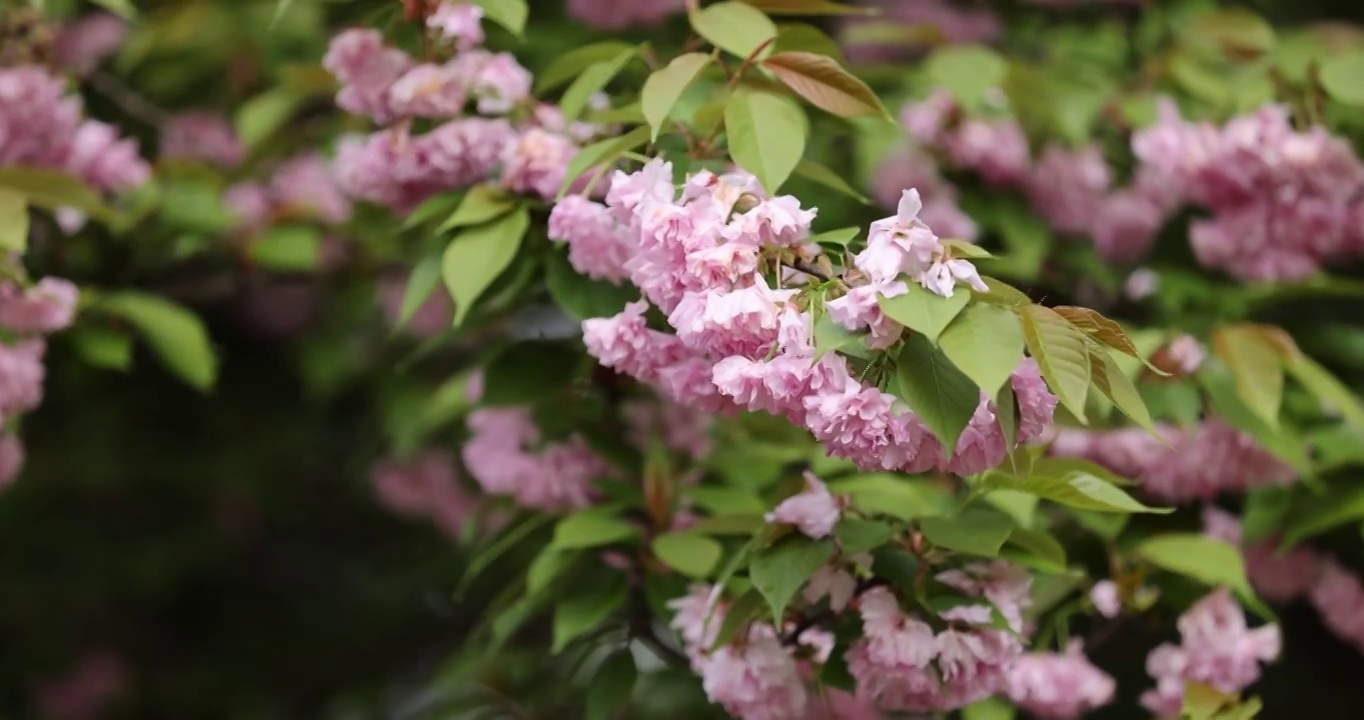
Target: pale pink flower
1141, 284
43, 309
1216, 649
82, 44
755, 680
434, 316
598, 245
459, 23
1339, 597
1106, 598
424, 487
499, 82
86, 691
537, 163
202, 136
1187, 353
1059, 686
21, 376
814, 510
612, 15
1067, 187
429, 90
367, 69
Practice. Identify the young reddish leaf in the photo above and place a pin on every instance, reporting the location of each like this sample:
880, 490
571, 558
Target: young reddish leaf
826, 84
1095, 325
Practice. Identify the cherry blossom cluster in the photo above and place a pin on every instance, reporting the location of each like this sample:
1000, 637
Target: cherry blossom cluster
1282, 577
1216, 649
1071, 188
205, 136
1059, 686
87, 41
525, 146
613, 15
41, 126
507, 457
27, 315
949, 22
425, 487
1198, 463
699, 256
911, 166
1283, 201
304, 186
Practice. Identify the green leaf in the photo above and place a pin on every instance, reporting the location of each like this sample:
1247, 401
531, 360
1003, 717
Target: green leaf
52, 189
895, 495
1256, 368
1327, 389
825, 84
1227, 404
840, 237
1002, 293
734, 27
510, 14
1236, 33
481, 204
288, 248
779, 571
1109, 378
499, 547
856, 536
1041, 546
572, 63
766, 134
475, 258
593, 79
974, 532
1106, 525
420, 284
923, 311
102, 347
13, 221
121, 8
528, 372
1202, 702
548, 566
691, 554
432, 208
807, 7
196, 206
600, 153
830, 336
281, 8
176, 335
591, 528
1202, 558
737, 615
581, 296
986, 342
665, 86
806, 38
259, 118
1020, 506
988, 709
1079, 490
1341, 504
1061, 354
942, 396
822, 175
897, 565
612, 686
723, 500
968, 72
1027, 238
1343, 77
579, 612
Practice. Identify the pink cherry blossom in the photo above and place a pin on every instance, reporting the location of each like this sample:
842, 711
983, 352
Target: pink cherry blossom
202, 136
459, 23
45, 308
1059, 686
814, 510
11, 459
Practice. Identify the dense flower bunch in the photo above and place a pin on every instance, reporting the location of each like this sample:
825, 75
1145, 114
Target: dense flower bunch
202, 136
525, 145
41, 126
1198, 463
1284, 576
1283, 201
27, 315
1216, 649
305, 186
740, 341
610, 15
1059, 686
425, 487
